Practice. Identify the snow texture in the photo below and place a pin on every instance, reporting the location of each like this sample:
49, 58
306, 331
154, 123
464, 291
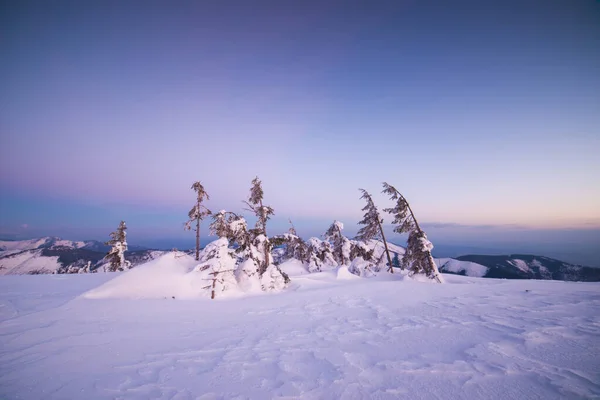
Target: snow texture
331, 335
520, 264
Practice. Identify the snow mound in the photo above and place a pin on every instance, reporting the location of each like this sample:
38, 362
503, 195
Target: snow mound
293, 267
166, 277
344, 274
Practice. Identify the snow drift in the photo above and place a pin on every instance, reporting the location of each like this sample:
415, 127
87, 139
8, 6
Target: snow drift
166, 277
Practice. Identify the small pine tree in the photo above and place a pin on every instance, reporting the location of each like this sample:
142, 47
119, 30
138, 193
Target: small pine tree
223, 225
320, 254
217, 265
295, 247
87, 269
341, 244
292, 230
197, 213
417, 257
396, 261
116, 255
255, 204
372, 228
258, 235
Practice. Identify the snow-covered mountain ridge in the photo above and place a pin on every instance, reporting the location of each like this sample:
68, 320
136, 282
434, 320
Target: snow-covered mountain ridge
49, 255
518, 266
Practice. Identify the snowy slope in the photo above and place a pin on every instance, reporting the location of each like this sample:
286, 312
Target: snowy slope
167, 276
326, 337
10, 247
28, 262
379, 249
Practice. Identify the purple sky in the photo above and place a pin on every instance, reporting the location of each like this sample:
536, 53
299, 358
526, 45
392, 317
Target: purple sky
486, 115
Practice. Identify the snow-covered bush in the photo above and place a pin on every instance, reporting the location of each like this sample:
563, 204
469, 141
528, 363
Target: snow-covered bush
217, 266
320, 255
366, 269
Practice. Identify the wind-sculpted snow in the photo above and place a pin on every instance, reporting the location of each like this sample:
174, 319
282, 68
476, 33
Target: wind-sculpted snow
330, 335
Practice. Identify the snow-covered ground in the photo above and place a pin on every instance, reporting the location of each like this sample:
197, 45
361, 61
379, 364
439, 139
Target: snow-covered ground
329, 335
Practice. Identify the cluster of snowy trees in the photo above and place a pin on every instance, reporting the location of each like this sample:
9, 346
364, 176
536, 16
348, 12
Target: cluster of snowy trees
242, 256
80, 267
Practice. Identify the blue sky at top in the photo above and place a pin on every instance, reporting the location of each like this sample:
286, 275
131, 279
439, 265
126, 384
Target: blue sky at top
481, 112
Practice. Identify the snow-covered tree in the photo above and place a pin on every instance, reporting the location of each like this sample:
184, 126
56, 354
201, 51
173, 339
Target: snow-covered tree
417, 258
87, 269
218, 265
292, 230
320, 255
263, 214
341, 244
231, 226
361, 267
197, 213
116, 255
234, 229
372, 228
294, 245
258, 245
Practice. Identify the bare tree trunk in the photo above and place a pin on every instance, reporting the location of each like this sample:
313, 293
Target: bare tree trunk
387, 251
265, 244
434, 267
198, 236
214, 285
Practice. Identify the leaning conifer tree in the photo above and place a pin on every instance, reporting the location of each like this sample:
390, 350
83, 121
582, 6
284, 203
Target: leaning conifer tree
197, 213
372, 228
418, 256
118, 243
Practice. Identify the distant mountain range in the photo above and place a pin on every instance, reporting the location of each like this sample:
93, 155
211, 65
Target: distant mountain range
518, 266
49, 255
54, 255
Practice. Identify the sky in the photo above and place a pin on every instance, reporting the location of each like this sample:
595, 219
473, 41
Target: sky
484, 114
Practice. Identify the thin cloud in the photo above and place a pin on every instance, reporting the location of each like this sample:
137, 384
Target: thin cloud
456, 225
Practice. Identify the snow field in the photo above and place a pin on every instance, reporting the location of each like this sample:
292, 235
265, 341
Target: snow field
326, 336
